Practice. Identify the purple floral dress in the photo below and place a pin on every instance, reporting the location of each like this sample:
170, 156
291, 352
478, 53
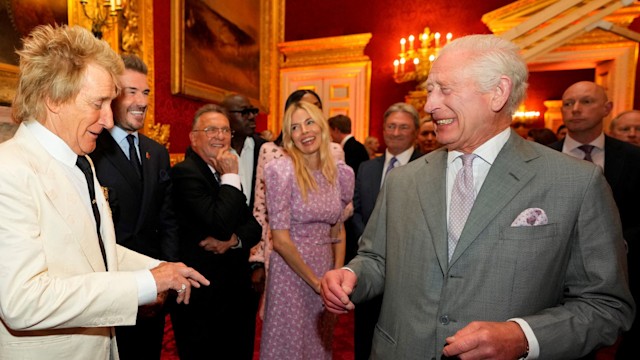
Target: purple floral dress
295, 323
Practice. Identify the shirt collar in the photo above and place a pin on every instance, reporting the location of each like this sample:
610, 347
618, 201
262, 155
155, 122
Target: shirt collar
119, 134
571, 144
53, 144
344, 141
403, 157
488, 151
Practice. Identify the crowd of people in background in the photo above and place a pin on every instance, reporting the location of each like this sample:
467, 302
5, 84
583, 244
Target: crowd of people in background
451, 241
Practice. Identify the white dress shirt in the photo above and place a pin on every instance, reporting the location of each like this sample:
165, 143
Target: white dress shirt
246, 166
59, 150
570, 147
403, 159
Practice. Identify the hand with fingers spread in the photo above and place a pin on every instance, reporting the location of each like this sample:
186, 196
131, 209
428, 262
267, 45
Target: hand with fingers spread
336, 286
487, 340
217, 246
178, 277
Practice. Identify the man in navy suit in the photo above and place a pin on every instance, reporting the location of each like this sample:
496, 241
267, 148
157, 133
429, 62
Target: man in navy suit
400, 130
354, 152
584, 107
135, 171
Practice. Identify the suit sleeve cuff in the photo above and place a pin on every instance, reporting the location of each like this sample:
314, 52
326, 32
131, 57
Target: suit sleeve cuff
534, 347
147, 290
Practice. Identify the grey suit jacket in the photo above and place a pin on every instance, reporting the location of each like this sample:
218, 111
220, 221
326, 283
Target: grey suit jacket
567, 279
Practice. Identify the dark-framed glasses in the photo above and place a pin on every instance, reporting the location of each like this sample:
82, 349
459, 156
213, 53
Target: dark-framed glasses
246, 111
211, 131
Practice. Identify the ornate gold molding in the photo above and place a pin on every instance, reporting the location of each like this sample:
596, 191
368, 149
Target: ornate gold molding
132, 34
324, 51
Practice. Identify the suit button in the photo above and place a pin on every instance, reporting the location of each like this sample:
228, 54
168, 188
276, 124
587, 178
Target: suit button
444, 320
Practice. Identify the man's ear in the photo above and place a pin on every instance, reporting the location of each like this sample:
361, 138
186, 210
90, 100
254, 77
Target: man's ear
608, 107
501, 94
192, 138
52, 106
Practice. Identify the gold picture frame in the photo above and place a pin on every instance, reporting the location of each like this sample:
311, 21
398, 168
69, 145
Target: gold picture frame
18, 18
219, 44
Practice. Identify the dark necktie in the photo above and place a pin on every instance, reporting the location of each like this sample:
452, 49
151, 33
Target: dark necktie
462, 198
587, 151
84, 165
133, 155
216, 175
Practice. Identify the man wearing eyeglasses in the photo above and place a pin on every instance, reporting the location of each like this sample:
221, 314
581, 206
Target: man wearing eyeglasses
210, 205
400, 129
242, 118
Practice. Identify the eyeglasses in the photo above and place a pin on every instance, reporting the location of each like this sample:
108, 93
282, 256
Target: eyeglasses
211, 131
402, 128
246, 111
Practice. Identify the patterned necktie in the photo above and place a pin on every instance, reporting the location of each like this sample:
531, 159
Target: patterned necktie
133, 155
462, 198
587, 151
84, 165
391, 165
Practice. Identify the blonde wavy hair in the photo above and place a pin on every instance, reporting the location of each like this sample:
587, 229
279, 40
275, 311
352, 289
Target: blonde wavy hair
53, 62
303, 172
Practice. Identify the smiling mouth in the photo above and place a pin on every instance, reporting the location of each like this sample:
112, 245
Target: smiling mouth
443, 121
308, 141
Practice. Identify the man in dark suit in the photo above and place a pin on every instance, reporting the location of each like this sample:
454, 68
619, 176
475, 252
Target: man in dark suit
242, 117
354, 152
584, 107
492, 247
135, 171
219, 322
400, 131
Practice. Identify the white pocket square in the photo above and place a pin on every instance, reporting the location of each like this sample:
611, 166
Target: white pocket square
531, 217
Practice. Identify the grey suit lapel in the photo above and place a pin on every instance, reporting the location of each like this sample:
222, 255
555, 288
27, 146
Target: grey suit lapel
509, 173
432, 188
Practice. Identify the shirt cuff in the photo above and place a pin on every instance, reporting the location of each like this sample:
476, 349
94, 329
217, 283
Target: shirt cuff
147, 290
348, 269
534, 347
239, 244
231, 179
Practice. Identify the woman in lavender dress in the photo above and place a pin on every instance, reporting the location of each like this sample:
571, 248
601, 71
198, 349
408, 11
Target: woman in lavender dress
306, 192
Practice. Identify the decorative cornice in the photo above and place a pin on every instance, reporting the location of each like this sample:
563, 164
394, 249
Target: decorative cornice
324, 51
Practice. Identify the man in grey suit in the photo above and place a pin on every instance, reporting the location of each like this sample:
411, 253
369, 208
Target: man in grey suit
536, 269
400, 130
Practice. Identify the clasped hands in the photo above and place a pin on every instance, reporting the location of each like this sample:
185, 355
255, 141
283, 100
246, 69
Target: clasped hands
217, 246
477, 340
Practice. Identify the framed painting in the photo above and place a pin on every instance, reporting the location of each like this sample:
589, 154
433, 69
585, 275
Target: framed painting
17, 19
222, 47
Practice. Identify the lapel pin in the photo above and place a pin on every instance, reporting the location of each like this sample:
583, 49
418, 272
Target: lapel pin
148, 156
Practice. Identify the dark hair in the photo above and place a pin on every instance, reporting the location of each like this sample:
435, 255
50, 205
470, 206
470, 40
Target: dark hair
133, 62
560, 128
542, 136
340, 122
295, 96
